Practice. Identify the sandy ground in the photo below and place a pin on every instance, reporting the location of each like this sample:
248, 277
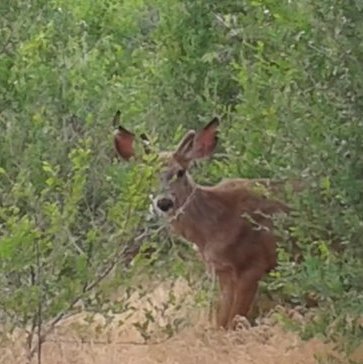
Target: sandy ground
78, 341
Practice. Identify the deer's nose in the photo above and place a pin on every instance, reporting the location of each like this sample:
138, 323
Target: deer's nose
164, 204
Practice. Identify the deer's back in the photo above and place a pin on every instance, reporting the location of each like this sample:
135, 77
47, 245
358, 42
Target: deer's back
231, 225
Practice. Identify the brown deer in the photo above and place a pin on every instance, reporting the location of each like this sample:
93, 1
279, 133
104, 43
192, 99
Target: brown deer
230, 223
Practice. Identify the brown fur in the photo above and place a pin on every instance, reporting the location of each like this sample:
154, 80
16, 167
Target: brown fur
230, 222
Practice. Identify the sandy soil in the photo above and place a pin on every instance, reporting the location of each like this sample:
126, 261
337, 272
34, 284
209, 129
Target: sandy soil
120, 341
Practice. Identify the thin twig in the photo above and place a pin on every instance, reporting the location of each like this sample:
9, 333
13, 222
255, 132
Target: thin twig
40, 307
34, 318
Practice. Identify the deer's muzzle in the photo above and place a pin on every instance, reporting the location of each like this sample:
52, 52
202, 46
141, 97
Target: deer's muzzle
165, 204
162, 205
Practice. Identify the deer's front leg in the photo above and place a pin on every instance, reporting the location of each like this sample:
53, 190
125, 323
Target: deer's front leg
245, 289
226, 297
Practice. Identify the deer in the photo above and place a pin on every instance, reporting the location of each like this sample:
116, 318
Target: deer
230, 223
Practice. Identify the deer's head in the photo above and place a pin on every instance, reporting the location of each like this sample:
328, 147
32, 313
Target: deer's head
175, 183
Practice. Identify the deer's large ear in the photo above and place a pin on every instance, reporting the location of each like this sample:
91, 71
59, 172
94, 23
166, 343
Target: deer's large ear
123, 139
198, 145
205, 141
185, 146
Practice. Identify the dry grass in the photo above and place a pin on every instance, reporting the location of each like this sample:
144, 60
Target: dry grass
197, 343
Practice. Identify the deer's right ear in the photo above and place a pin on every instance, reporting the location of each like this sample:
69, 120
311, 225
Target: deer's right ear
123, 139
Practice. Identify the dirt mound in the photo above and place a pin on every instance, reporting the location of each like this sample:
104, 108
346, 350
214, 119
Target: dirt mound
258, 345
80, 341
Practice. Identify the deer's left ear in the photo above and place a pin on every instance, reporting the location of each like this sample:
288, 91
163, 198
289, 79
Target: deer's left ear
205, 140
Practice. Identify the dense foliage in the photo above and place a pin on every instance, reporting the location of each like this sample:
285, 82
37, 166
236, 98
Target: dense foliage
287, 79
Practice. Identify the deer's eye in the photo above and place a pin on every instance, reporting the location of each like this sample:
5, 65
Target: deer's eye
170, 177
180, 173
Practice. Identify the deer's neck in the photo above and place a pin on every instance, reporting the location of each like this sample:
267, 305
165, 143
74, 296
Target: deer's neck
197, 214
